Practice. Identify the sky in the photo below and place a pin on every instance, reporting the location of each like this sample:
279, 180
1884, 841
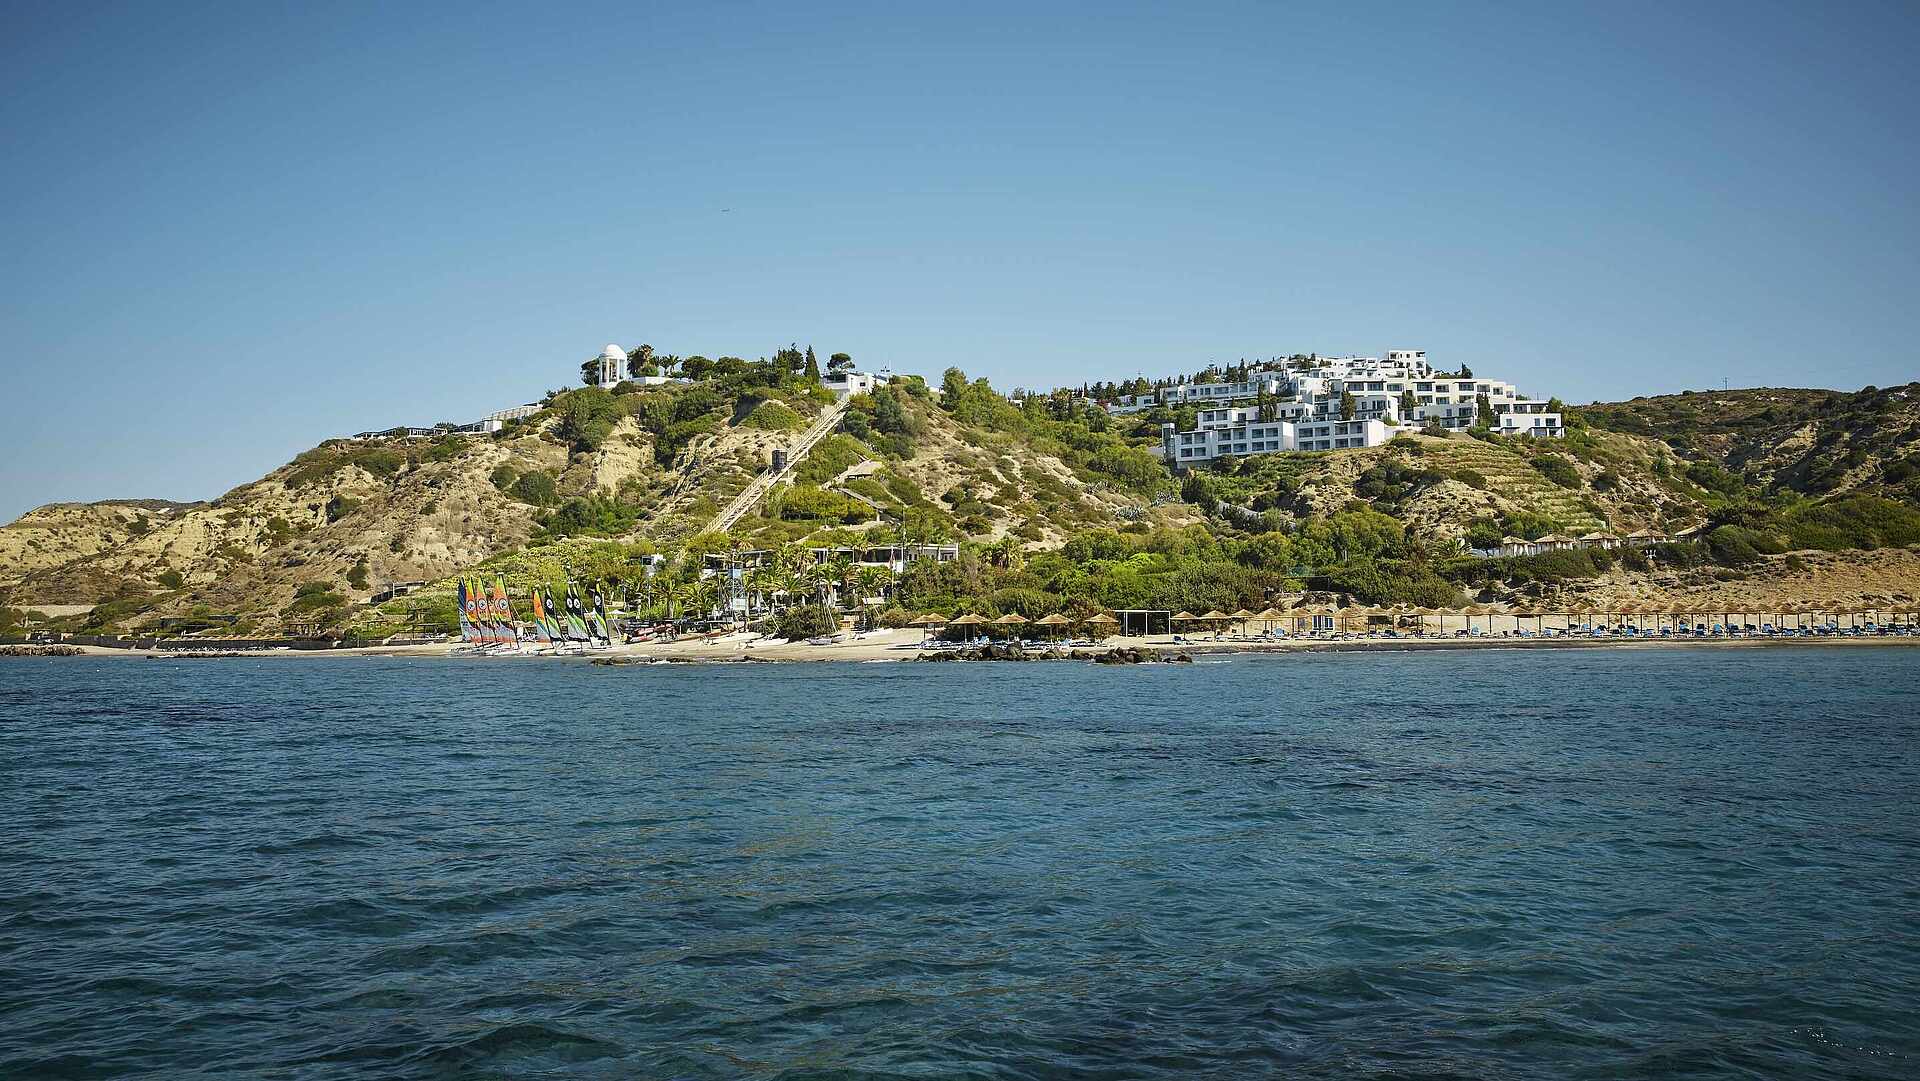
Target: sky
228, 232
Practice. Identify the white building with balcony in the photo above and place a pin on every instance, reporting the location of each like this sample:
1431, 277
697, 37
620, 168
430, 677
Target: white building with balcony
1307, 407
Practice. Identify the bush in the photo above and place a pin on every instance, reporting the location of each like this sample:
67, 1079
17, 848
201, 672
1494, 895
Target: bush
504, 475
340, 506
587, 417
772, 416
807, 503
829, 458
1131, 467
805, 621
593, 516
895, 617
1558, 470
1715, 479
171, 579
1471, 478
536, 489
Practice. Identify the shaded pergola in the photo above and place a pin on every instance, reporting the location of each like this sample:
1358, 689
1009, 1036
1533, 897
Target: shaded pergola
1140, 622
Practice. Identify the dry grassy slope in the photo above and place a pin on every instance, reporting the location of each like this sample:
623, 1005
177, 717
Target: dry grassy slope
1817, 442
1638, 500
1852, 580
1025, 485
248, 551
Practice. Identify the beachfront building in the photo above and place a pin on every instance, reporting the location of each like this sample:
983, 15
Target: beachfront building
1337, 403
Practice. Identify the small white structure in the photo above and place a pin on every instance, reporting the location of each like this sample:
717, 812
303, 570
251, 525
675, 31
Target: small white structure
612, 370
847, 382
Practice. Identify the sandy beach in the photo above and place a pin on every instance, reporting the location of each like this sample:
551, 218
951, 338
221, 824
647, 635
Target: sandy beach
906, 645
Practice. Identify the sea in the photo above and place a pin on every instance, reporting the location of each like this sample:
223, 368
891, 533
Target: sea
1606, 863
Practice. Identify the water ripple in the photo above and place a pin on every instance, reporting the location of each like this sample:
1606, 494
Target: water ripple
1685, 863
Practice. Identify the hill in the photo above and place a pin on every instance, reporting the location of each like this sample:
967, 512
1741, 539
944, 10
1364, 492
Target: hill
1054, 503
1808, 442
305, 545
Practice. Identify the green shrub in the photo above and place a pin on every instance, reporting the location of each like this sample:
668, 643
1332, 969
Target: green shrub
805, 621
536, 489
1558, 470
807, 503
340, 506
504, 475
829, 458
772, 416
171, 579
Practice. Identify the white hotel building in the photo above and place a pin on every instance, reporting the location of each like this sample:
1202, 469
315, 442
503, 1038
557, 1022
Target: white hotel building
1307, 413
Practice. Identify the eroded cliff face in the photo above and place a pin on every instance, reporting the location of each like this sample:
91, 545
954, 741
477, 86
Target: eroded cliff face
353, 516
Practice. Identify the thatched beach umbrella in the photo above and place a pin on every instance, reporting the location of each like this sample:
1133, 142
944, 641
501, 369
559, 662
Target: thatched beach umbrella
968, 620
1010, 620
1101, 620
1267, 617
1241, 616
1052, 619
931, 619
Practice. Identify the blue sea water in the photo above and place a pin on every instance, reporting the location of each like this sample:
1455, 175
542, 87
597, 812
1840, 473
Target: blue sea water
1604, 863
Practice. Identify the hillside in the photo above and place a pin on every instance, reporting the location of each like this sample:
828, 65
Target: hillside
1809, 442
1051, 499
304, 545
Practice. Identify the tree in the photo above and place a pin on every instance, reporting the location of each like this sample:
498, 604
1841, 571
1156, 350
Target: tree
839, 362
590, 371
1483, 411
888, 414
640, 362
813, 366
1347, 406
1408, 404
953, 389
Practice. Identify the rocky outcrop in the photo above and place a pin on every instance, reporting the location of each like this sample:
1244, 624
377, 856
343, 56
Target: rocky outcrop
1013, 651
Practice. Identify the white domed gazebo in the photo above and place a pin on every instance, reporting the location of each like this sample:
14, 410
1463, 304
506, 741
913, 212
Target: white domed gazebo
613, 365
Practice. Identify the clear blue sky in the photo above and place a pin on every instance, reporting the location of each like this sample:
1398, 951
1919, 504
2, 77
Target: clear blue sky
232, 231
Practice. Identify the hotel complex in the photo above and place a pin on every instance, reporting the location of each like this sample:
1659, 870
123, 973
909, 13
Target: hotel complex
1332, 403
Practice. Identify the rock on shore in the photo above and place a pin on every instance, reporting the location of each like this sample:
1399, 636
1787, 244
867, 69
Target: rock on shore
999, 651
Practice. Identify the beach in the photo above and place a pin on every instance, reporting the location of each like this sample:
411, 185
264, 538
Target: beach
910, 645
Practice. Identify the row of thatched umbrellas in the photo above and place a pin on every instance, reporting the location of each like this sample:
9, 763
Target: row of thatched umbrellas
1629, 614
1013, 619
1626, 613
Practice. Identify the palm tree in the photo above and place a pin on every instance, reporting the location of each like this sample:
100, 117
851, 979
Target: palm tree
845, 573
874, 581
1005, 552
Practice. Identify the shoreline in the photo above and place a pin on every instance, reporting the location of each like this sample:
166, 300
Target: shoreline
897, 646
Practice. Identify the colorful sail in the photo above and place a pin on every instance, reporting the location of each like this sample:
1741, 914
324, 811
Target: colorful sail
600, 616
556, 619
503, 606
576, 615
537, 613
460, 611
470, 599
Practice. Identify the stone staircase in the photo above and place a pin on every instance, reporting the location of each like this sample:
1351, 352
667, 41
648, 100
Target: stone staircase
797, 451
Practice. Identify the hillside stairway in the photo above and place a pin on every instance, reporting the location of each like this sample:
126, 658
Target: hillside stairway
1513, 478
757, 489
